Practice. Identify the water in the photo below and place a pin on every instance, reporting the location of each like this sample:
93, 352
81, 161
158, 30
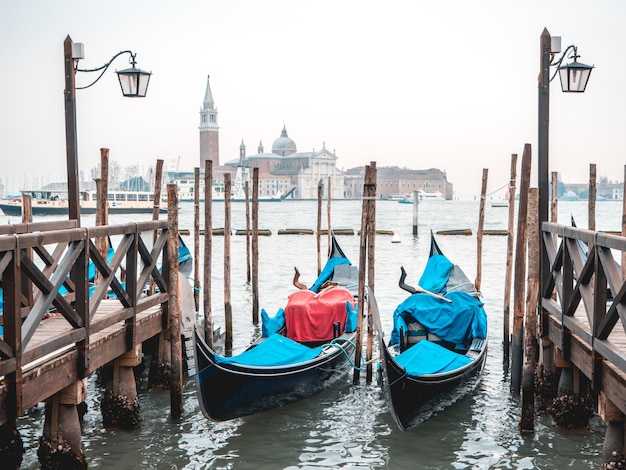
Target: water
349, 426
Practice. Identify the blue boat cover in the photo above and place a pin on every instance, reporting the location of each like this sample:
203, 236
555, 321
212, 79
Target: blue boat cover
427, 357
327, 272
271, 325
436, 274
277, 350
455, 321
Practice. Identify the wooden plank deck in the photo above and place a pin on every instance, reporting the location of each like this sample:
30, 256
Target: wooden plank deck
50, 374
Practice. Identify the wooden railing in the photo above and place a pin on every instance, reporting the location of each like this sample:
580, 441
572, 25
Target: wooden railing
55, 269
584, 301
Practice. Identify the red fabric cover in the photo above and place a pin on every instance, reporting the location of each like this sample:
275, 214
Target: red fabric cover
310, 316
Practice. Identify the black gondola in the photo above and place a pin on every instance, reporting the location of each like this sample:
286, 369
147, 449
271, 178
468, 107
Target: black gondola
289, 362
438, 346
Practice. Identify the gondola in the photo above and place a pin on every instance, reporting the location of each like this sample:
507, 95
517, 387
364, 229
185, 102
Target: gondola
302, 350
438, 345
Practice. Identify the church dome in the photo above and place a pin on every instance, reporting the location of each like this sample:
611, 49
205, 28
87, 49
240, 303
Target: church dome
284, 145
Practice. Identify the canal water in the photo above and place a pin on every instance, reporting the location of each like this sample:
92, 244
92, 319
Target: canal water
348, 426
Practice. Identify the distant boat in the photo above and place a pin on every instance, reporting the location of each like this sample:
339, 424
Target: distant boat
500, 204
424, 196
55, 202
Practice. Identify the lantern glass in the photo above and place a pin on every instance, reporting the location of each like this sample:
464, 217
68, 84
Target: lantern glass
574, 77
134, 82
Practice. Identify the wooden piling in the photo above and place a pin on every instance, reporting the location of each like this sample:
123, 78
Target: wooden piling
362, 271
416, 202
527, 420
173, 303
371, 274
509, 262
520, 273
102, 207
319, 226
592, 197
624, 224
247, 192
255, 246
27, 208
196, 237
554, 206
479, 231
208, 247
228, 312
328, 199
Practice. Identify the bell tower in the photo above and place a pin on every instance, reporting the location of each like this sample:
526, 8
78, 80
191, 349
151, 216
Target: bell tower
209, 130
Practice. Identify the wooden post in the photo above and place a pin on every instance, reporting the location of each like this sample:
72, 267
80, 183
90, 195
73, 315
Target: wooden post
509, 262
362, 268
527, 420
208, 248
102, 208
479, 235
156, 207
319, 226
520, 273
228, 312
247, 192
624, 224
328, 198
196, 237
416, 202
176, 375
27, 208
554, 212
371, 251
255, 246
592, 196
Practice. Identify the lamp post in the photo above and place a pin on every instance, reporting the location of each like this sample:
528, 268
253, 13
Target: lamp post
574, 77
134, 83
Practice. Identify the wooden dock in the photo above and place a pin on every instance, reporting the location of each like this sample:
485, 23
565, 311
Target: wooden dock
68, 310
583, 321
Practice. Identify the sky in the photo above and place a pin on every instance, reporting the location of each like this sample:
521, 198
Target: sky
448, 84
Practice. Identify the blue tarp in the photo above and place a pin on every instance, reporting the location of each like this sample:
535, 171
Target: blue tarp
455, 321
276, 350
327, 272
427, 357
271, 325
436, 274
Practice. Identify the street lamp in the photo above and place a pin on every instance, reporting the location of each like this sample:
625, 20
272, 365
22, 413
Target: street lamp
574, 77
134, 83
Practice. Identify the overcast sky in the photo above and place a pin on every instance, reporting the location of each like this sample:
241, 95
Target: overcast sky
421, 84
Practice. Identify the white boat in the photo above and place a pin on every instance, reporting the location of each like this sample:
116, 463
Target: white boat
55, 202
424, 196
186, 188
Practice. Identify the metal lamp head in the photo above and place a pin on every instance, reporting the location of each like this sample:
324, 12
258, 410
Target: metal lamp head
574, 76
134, 81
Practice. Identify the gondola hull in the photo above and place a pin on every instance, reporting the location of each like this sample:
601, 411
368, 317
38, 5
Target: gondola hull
413, 400
228, 391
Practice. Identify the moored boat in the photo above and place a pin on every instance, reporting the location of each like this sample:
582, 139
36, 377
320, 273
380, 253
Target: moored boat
438, 344
303, 349
55, 202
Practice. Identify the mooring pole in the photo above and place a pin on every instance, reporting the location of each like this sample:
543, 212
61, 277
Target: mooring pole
416, 202
362, 271
554, 208
208, 249
592, 197
176, 375
196, 237
319, 226
228, 312
371, 250
479, 234
527, 419
520, 273
328, 198
255, 246
247, 192
509, 263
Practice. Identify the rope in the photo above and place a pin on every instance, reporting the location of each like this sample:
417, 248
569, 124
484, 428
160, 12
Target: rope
335, 344
501, 187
